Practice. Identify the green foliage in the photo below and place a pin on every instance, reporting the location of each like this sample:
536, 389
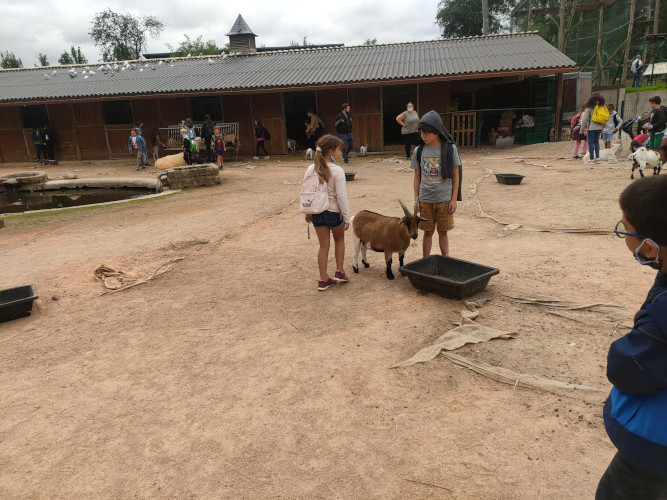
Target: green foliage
43, 61
297, 44
371, 41
459, 18
123, 36
649, 88
74, 56
197, 47
9, 60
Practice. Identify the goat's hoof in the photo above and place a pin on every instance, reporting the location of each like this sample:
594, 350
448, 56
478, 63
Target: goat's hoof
355, 269
390, 276
632, 177
366, 264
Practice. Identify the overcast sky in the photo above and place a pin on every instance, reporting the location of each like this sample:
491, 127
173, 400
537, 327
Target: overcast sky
50, 26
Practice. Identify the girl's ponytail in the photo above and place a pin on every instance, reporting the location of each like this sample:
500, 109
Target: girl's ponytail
325, 146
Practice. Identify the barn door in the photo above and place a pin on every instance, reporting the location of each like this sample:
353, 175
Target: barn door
464, 129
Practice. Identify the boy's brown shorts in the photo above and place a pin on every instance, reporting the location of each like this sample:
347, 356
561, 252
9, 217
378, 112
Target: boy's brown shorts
436, 213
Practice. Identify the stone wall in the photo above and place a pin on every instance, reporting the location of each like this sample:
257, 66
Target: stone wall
193, 176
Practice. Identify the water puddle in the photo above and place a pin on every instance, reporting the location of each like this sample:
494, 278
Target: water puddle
15, 202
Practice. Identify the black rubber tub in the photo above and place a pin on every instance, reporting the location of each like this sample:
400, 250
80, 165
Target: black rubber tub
349, 176
509, 178
17, 302
448, 277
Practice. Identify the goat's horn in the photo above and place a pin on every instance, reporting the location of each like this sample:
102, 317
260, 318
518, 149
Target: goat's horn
405, 209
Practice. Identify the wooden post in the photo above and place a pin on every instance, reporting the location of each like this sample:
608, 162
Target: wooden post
530, 15
598, 61
559, 104
485, 17
656, 17
646, 32
561, 26
624, 76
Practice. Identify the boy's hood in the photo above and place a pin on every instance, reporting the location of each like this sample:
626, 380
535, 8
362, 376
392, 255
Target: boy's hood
432, 119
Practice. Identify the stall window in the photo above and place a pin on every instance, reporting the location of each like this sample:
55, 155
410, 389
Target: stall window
33, 116
117, 112
202, 106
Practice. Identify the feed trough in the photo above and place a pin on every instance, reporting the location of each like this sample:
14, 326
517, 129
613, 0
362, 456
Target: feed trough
448, 277
509, 178
16, 302
349, 176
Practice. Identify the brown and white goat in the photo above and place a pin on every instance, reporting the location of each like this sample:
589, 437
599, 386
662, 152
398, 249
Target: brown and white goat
383, 234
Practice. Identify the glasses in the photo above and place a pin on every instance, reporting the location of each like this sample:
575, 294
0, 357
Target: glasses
621, 232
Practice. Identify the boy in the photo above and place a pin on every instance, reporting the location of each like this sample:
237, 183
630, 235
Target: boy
611, 127
138, 126
657, 122
344, 128
218, 145
635, 414
437, 181
137, 144
38, 139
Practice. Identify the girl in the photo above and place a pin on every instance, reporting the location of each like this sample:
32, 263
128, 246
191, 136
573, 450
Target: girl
260, 134
337, 217
218, 145
578, 134
592, 129
409, 120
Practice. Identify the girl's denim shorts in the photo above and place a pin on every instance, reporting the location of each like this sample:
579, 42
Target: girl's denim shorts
326, 218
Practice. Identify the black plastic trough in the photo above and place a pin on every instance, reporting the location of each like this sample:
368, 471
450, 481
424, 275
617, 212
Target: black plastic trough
349, 176
509, 178
448, 277
17, 302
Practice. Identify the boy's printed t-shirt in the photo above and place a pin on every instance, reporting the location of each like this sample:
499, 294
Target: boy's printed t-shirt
433, 188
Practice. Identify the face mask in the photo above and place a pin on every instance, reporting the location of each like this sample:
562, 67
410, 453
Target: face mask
411, 109
654, 264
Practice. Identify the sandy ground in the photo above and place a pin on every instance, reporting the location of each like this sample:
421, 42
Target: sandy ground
230, 376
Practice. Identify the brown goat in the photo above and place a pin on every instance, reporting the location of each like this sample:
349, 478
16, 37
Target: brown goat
383, 234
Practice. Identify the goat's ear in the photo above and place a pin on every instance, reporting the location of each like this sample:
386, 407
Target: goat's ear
401, 221
421, 219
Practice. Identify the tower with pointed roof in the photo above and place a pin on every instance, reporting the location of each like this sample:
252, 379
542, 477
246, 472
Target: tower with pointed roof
241, 37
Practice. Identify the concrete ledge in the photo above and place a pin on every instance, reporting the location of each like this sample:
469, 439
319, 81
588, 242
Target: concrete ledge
113, 182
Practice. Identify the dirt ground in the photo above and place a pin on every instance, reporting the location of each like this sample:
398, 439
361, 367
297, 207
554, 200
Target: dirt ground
231, 376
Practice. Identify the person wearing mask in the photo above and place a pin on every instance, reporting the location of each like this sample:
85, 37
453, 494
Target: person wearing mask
409, 121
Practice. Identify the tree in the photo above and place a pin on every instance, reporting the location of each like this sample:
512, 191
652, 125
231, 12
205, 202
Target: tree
123, 36
9, 60
197, 48
459, 18
43, 61
371, 41
75, 56
297, 44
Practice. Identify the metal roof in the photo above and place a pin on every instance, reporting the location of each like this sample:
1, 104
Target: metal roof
477, 57
240, 27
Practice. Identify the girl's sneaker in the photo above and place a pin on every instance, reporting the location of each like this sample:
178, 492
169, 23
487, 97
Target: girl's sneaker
323, 285
341, 277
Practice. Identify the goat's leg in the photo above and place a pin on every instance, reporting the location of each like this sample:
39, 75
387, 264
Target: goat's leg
400, 262
641, 170
364, 260
355, 253
387, 258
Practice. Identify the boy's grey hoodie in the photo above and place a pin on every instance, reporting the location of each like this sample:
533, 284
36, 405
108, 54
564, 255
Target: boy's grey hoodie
432, 119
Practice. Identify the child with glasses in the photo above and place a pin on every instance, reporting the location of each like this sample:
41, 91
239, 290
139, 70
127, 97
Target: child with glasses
635, 414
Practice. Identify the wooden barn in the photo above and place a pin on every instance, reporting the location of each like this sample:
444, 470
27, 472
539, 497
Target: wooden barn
92, 108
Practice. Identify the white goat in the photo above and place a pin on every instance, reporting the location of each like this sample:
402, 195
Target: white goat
608, 154
363, 150
309, 153
643, 157
291, 146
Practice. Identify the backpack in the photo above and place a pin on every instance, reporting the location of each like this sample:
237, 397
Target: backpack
600, 114
575, 119
314, 198
267, 134
193, 146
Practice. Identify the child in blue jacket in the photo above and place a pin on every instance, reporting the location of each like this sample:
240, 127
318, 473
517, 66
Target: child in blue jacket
635, 414
137, 145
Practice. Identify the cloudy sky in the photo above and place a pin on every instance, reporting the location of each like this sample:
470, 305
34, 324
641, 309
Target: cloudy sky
50, 27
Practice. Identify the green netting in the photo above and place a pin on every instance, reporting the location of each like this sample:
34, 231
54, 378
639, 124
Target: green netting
583, 19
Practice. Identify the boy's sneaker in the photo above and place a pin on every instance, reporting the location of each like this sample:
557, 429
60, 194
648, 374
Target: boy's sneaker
255, 157
323, 285
341, 277
266, 157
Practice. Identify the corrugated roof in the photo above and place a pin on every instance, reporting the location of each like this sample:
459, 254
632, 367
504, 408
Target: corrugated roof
240, 27
438, 59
